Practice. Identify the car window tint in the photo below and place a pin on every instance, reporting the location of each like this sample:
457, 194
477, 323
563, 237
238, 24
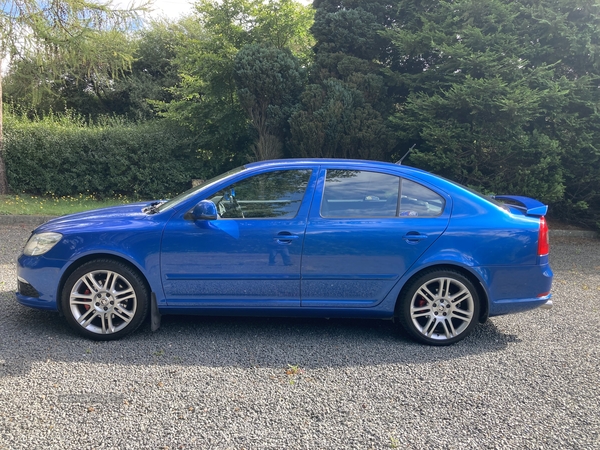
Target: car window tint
268, 195
419, 201
357, 193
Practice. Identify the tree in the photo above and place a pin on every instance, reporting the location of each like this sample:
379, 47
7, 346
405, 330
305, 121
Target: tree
207, 98
62, 34
285, 24
153, 72
334, 121
93, 94
269, 80
204, 99
344, 111
37, 84
502, 95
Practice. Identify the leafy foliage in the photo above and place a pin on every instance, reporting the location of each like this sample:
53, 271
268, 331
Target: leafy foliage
269, 80
59, 35
38, 85
343, 111
496, 94
93, 94
499, 95
65, 156
336, 122
207, 98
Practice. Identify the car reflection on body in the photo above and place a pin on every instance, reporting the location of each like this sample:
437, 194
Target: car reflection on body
315, 238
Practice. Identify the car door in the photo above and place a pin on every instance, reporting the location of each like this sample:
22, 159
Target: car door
250, 255
364, 231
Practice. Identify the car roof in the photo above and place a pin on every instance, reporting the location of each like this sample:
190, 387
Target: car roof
357, 162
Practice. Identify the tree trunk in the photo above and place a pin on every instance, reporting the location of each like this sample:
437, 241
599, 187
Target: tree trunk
3, 180
267, 145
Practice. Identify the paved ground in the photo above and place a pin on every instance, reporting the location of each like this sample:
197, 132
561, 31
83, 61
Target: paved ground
523, 381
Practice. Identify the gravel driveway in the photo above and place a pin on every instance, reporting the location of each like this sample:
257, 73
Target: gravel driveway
530, 380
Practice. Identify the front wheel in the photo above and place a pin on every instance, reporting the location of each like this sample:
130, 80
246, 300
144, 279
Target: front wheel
104, 300
440, 307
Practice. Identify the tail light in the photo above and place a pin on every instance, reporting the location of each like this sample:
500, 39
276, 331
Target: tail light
543, 238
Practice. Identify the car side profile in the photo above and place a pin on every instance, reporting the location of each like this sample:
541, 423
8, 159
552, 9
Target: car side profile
311, 237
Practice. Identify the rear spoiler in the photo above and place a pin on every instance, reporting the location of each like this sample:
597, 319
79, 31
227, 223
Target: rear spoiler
528, 205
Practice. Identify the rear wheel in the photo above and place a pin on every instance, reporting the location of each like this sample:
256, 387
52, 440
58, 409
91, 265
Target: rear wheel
440, 307
104, 300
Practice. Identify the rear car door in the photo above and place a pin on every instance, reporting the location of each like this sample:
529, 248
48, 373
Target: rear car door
365, 229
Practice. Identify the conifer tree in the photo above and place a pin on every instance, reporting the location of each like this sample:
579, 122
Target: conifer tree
343, 111
498, 94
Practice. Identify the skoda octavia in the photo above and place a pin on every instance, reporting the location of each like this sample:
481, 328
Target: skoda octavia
320, 238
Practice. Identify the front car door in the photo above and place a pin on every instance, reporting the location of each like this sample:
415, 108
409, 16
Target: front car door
250, 255
363, 233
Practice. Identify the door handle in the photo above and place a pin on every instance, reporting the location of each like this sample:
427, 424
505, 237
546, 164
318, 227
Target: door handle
414, 237
285, 237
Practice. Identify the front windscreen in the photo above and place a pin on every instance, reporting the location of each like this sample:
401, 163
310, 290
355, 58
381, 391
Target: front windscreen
189, 193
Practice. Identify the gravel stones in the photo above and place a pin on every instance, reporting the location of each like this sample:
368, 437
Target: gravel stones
528, 380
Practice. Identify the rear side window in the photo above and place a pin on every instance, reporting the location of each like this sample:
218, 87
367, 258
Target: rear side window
364, 194
354, 193
419, 201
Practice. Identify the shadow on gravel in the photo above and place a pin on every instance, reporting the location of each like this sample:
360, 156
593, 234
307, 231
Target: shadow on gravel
29, 336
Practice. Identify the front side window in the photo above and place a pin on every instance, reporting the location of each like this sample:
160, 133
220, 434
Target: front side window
364, 194
276, 194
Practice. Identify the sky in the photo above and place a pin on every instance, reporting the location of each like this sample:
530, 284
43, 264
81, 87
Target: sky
173, 9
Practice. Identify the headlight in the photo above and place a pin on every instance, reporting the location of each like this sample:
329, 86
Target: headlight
38, 244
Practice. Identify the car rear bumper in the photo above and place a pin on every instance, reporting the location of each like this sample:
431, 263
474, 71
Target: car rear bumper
518, 288
547, 305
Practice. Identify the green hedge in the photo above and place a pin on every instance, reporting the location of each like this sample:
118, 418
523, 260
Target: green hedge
65, 156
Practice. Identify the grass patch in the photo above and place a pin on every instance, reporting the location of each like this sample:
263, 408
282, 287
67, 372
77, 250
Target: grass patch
54, 206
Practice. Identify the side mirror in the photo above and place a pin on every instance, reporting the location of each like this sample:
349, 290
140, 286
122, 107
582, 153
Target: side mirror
205, 210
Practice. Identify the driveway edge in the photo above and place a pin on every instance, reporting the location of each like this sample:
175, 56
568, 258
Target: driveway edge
24, 220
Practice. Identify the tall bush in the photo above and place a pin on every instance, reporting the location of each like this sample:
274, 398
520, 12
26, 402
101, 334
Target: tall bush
65, 156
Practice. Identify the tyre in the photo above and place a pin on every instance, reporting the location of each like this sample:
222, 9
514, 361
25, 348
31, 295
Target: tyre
104, 300
440, 307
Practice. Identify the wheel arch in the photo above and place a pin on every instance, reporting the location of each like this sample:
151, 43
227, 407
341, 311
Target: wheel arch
481, 291
91, 257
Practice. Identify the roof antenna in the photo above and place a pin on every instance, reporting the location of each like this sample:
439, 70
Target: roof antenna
399, 162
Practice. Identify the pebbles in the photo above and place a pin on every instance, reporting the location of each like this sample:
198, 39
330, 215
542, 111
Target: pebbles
528, 380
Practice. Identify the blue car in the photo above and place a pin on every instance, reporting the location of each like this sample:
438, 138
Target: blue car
311, 237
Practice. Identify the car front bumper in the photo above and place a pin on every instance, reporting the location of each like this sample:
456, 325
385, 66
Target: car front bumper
37, 280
